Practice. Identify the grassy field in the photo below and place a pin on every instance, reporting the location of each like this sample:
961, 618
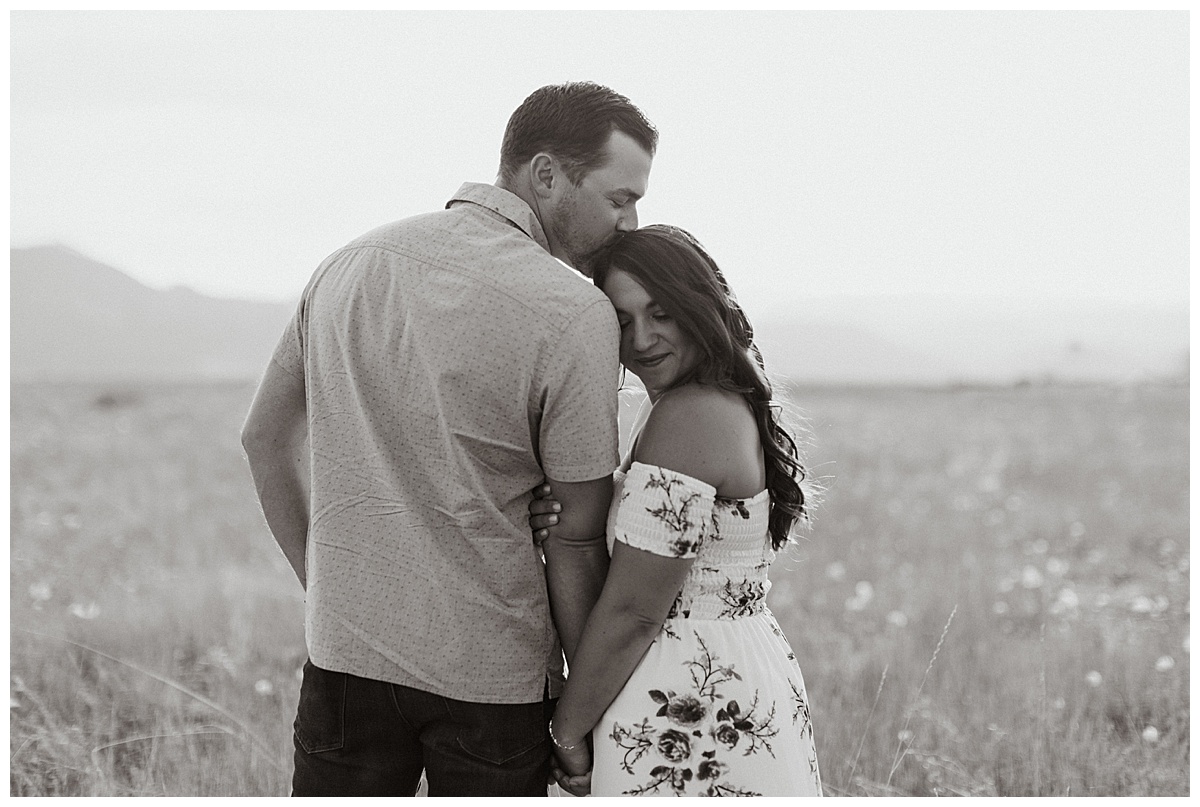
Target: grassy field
994, 599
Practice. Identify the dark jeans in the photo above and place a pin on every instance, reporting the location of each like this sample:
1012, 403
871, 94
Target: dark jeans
360, 737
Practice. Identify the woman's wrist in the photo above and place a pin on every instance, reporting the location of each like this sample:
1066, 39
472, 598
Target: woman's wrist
562, 743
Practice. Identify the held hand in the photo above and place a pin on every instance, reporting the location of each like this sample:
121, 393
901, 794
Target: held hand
573, 769
542, 511
575, 785
572, 763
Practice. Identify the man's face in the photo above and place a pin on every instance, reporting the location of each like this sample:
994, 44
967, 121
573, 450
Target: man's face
591, 215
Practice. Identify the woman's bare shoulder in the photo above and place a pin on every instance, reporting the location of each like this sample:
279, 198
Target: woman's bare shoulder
703, 404
696, 430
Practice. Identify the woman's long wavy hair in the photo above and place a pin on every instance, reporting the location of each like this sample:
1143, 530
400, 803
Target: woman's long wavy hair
681, 277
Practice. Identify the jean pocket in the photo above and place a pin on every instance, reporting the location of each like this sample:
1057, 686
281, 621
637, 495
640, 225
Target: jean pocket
500, 734
321, 716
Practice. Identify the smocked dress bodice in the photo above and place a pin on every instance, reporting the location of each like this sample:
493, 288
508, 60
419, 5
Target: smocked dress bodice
669, 513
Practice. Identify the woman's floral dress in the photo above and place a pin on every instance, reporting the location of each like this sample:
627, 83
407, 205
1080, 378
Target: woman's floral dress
717, 705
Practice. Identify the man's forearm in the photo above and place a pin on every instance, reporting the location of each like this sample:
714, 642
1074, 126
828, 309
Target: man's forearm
575, 572
275, 437
283, 494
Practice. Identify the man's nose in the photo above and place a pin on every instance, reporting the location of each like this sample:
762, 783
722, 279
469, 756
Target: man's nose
628, 221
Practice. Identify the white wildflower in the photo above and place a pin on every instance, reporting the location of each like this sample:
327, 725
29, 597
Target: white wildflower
40, 591
1164, 663
897, 618
1031, 577
1094, 679
835, 571
1150, 734
1142, 605
264, 687
863, 594
1068, 598
89, 611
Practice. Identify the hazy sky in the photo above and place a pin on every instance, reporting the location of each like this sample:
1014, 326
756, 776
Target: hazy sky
1041, 154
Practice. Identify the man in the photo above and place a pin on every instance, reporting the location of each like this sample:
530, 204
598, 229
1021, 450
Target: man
436, 370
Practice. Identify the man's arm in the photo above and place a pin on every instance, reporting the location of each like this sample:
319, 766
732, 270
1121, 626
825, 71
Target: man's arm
577, 556
275, 438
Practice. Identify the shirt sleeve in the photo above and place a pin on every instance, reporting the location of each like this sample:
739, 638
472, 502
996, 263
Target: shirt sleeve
663, 511
289, 351
578, 435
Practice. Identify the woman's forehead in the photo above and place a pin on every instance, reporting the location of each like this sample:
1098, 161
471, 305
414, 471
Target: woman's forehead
626, 292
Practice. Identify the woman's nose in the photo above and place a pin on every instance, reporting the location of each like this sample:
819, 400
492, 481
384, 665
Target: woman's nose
643, 337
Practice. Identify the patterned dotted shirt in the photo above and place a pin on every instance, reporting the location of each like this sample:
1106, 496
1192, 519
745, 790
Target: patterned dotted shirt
450, 363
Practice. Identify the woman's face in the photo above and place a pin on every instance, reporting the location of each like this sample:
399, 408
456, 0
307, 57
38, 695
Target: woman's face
653, 346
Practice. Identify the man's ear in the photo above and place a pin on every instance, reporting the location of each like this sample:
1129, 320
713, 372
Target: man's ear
544, 175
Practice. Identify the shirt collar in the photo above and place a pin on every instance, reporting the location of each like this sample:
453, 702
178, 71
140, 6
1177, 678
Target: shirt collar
503, 203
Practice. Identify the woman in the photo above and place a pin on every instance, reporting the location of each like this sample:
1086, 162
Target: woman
683, 679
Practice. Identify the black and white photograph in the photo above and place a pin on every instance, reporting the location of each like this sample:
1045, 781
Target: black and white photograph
575, 403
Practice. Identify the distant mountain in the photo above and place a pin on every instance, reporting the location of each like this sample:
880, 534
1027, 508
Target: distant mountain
974, 338
73, 318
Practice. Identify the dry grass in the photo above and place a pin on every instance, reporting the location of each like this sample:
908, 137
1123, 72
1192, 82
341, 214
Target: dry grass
157, 632
1056, 521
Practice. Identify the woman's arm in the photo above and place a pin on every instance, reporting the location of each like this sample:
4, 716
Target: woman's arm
642, 585
636, 599
692, 432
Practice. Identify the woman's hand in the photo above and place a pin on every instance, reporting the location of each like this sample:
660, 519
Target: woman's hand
575, 785
573, 768
542, 511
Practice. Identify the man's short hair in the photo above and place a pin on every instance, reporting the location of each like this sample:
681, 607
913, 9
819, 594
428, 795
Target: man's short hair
573, 122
